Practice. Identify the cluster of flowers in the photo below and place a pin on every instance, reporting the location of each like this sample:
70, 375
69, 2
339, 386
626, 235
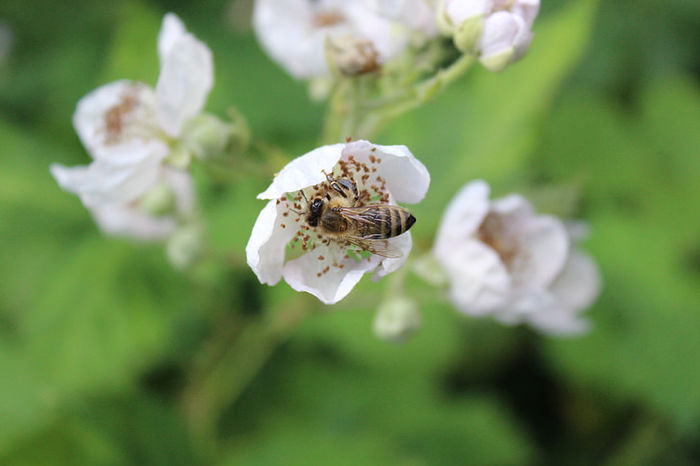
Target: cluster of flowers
500, 258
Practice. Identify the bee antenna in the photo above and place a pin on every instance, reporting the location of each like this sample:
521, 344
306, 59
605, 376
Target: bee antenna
304, 195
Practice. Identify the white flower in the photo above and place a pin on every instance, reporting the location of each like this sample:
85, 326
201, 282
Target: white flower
326, 268
130, 130
506, 261
294, 32
417, 15
500, 31
136, 218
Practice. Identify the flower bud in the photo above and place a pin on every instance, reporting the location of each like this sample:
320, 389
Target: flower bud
397, 319
160, 200
498, 31
352, 56
184, 247
207, 137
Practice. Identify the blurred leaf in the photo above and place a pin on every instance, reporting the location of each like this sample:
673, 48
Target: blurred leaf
78, 312
135, 430
133, 52
646, 340
325, 404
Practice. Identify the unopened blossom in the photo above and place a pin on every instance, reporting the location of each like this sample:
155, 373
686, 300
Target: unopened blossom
295, 32
499, 31
283, 244
505, 260
397, 319
134, 134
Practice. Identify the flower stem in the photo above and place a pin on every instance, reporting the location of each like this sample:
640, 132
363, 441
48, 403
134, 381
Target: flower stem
384, 110
214, 385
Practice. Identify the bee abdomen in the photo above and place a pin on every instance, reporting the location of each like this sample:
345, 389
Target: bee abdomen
401, 221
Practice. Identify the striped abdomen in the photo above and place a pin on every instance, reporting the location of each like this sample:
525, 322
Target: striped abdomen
379, 221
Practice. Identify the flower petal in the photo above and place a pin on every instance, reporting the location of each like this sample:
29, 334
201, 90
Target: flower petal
479, 281
130, 221
92, 120
578, 285
402, 243
500, 31
171, 31
406, 177
286, 31
186, 77
462, 218
543, 249
304, 171
306, 273
265, 250
461, 10
121, 173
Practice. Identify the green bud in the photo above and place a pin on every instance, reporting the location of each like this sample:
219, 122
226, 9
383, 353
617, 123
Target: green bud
179, 157
160, 200
397, 319
430, 270
209, 138
468, 34
499, 61
184, 247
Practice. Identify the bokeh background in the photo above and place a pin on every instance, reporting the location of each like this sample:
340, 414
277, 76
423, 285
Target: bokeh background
109, 356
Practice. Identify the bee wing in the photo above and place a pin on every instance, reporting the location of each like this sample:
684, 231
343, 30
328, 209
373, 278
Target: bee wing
364, 214
380, 247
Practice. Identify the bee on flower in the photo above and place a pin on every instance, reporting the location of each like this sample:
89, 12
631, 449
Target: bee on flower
332, 216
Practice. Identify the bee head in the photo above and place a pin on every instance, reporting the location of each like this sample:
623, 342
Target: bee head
315, 208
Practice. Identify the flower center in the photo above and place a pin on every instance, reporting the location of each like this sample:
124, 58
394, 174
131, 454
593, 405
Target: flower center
328, 18
130, 117
334, 246
494, 233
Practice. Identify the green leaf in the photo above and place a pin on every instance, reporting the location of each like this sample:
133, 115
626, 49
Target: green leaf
645, 345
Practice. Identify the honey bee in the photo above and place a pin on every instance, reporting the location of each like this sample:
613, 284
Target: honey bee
338, 215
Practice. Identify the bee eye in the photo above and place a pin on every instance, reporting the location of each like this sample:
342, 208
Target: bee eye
316, 205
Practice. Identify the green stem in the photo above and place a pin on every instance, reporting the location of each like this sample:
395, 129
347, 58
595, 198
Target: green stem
216, 384
383, 111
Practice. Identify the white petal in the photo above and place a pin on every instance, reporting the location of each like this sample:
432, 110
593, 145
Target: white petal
406, 177
285, 30
462, 217
265, 250
180, 182
121, 173
543, 249
500, 31
403, 244
479, 281
559, 322
302, 273
129, 221
304, 171
91, 113
171, 31
388, 37
528, 10
186, 77
579, 283
461, 10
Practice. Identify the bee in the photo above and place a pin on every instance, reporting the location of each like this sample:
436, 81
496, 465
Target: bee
338, 215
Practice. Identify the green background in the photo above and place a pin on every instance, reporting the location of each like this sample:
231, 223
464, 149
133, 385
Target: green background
106, 351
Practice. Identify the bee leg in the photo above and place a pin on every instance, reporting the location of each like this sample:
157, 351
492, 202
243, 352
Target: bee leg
350, 186
303, 194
